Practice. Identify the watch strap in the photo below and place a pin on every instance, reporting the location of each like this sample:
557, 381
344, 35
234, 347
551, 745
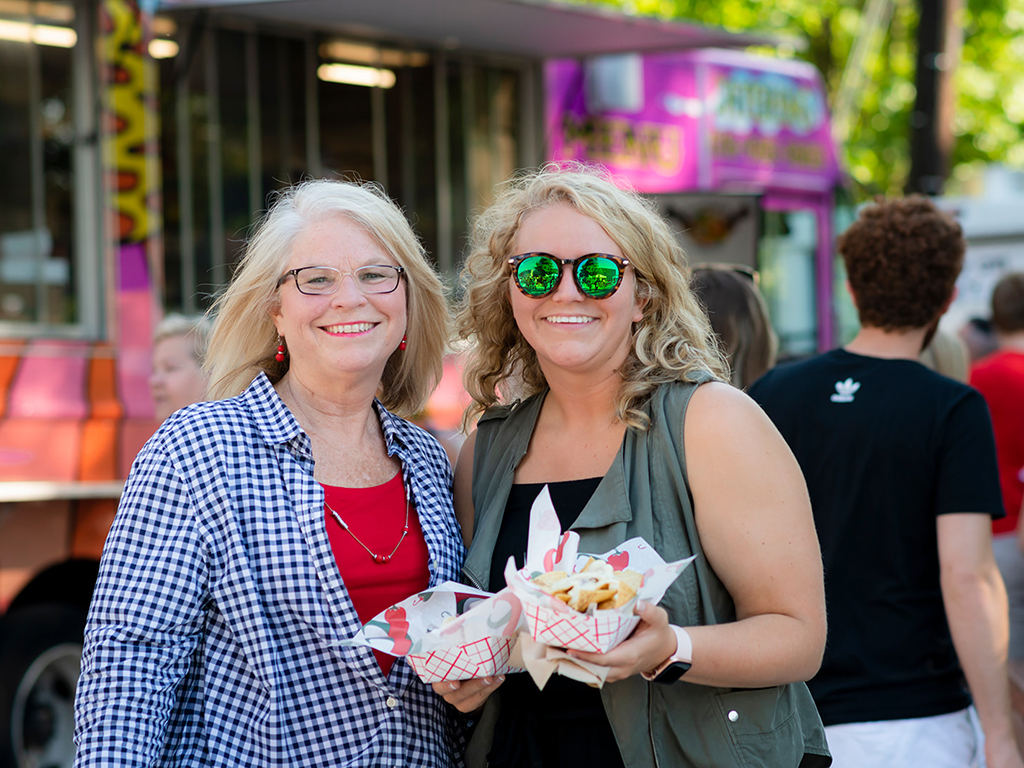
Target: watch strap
676, 665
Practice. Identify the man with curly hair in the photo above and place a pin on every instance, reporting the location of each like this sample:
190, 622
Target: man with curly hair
901, 468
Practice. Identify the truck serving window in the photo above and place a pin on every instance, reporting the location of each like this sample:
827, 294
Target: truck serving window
47, 139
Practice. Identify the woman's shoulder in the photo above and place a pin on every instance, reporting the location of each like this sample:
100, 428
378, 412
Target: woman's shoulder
226, 412
676, 395
508, 424
204, 427
517, 407
705, 405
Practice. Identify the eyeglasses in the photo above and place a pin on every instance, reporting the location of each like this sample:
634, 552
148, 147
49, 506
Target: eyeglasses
597, 275
322, 281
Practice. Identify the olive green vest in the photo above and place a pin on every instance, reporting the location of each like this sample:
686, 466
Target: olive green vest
645, 493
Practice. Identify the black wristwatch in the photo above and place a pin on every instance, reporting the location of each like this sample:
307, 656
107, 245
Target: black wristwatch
672, 672
676, 665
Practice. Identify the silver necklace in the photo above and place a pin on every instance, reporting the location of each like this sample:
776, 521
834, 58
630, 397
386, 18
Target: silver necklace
379, 559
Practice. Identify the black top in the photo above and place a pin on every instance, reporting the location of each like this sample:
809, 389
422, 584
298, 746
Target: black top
565, 724
885, 446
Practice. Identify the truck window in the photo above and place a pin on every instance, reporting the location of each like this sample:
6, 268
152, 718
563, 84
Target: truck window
41, 290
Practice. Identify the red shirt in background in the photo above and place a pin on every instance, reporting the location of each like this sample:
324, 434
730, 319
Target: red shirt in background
1000, 379
376, 515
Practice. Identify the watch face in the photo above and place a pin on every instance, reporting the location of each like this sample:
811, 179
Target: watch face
673, 672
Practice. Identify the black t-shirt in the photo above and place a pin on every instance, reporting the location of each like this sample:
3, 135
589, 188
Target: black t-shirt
885, 447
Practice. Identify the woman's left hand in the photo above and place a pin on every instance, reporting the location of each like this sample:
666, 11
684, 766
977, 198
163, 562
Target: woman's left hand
650, 644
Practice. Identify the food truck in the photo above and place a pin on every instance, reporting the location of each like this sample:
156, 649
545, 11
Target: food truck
736, 150
138, 141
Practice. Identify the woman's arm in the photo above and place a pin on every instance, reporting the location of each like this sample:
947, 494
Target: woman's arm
462, 491
974, 596
144, 622
755, 524
754, 520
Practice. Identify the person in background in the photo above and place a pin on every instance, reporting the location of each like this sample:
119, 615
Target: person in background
578, 301
979, 337
1000, 379
739, 317
947, 354
901, 468
257, 533
179, 348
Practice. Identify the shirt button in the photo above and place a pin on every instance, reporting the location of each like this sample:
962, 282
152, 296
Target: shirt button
392, 702
733, 715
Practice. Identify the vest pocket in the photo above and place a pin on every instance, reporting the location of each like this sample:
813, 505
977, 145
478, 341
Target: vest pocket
763, 726
753, 711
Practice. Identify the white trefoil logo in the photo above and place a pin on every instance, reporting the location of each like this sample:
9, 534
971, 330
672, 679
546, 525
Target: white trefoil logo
845, 391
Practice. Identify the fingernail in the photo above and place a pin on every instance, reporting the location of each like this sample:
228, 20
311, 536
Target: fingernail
488, 681
640, 605
501, 678
453, 686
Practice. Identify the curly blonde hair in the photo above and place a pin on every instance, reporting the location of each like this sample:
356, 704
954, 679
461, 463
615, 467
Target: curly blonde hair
673, 341
245, 339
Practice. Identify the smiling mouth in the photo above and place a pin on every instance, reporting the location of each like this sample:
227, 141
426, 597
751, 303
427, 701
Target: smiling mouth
571, 320
349, 328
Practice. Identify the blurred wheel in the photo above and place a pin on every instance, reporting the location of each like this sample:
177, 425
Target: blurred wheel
40, 661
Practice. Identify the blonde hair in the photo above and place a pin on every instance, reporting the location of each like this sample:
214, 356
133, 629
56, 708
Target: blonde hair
673, 341
245, 339
195, 329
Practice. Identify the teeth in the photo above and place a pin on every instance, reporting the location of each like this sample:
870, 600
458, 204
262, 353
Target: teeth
576, 319
349, 328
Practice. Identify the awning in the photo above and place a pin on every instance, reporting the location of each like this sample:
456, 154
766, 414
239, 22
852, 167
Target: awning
532, 28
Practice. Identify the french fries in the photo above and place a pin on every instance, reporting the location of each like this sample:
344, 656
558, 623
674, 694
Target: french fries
597, 583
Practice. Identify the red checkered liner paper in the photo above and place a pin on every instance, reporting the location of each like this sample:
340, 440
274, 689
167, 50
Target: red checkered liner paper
488, 656
448, 632
550, 621
598, 633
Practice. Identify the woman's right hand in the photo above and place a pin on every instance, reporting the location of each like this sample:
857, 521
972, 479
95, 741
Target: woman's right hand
468, 695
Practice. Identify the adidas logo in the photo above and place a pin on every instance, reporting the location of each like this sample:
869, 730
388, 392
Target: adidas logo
845, 391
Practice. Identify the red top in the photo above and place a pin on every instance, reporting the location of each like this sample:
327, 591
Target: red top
376, 515
1000, 379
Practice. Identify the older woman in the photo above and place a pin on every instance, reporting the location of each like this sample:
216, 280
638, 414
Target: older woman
258, 532
179, 348
578, 301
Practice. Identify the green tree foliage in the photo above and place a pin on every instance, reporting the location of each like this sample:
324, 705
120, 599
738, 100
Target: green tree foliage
989, 115
989, 121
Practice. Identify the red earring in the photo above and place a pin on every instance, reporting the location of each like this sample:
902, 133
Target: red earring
280, 350
401, 344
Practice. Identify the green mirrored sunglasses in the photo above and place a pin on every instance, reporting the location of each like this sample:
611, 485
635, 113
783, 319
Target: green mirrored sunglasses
597, 275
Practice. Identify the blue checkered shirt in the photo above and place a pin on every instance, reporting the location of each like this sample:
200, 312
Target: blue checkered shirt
214, 635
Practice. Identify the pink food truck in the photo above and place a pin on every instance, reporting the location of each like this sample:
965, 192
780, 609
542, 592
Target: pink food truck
737, 151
